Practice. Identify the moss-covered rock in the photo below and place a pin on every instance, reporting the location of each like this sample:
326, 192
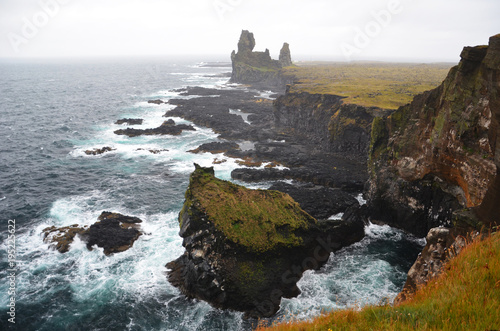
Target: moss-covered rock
246, 249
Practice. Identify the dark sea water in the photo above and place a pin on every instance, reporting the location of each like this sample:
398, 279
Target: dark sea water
50, 113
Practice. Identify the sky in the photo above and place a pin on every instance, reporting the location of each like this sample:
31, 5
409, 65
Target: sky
336, 30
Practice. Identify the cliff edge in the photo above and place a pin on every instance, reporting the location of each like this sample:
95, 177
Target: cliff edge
435, 162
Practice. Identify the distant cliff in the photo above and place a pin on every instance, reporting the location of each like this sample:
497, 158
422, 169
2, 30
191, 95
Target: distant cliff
436, 161
326, 121
258, 68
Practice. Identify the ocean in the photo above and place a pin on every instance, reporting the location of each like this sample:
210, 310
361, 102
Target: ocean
50, 113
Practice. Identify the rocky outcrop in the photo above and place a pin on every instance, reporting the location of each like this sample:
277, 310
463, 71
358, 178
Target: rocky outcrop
114, 233
438, 155
130, 121
246, 249
258, 68
167, 128
442, 245
327, 121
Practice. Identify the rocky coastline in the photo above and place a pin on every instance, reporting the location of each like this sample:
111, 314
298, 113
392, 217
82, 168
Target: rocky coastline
432, 163
430, 168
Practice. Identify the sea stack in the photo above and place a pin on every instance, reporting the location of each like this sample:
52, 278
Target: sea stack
258, 68
246, 249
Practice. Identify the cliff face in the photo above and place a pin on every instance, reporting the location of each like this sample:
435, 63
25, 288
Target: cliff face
439, 154
326, 121
246, 249
258, 68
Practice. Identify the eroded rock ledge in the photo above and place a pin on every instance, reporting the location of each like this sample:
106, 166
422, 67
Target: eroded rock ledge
246, 249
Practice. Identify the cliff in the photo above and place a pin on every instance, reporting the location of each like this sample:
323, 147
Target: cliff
326, 121
435, 161
246, 249
258, 68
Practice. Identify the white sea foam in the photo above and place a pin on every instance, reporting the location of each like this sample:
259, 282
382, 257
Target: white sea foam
336, 216
242, 114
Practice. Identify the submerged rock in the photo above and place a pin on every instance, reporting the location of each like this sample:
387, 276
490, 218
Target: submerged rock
156, 102
114, 232
130, 121
246, 249
99, 151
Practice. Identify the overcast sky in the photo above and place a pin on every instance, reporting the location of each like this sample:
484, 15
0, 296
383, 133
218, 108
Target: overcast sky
423, 30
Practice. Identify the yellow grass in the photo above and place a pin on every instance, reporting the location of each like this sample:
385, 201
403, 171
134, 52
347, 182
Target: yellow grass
379, 84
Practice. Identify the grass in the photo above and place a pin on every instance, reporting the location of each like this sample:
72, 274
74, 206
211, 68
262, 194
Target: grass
259, 220
465, 297
377, 84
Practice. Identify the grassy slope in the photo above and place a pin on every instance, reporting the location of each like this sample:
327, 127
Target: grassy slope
465, 297
384, 85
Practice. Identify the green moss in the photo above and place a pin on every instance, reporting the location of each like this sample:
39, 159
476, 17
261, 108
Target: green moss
251, 275
437, 131
259, 220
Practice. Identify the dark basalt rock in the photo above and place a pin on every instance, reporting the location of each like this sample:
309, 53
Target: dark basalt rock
319, 201
167, 128
442, 245
216, 147
99, 151
345, 179
248, 257
157, 101
130, 121
326, 121
114, 232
